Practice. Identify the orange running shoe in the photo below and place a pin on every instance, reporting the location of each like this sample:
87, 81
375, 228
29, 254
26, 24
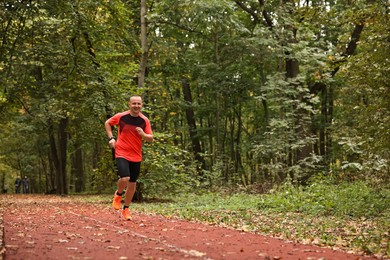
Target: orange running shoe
126, 214
116, 202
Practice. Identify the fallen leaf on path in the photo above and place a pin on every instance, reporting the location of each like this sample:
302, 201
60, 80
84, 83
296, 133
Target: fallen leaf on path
197, 253
113, 247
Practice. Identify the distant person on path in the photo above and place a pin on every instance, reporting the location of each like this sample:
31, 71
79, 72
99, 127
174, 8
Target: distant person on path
25, 185
18, 183
133, 128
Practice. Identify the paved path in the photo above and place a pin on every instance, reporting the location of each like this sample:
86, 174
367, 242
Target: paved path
52, 227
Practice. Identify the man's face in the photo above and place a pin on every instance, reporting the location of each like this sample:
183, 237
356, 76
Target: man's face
135, 104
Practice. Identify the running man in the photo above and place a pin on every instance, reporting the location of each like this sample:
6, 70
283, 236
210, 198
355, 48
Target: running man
133, 128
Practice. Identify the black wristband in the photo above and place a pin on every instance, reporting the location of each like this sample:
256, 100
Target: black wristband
110, 138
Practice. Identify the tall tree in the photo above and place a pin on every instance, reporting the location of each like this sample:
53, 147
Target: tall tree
144, 46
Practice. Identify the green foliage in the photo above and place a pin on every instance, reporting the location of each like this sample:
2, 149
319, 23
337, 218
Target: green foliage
103, 178
166, 169
79, 60
277, 144
8, 176
362, 114
323, 198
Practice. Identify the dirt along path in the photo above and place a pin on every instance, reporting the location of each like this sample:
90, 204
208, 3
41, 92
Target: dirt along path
51, 227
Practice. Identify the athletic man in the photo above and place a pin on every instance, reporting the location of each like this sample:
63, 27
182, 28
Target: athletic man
133, 128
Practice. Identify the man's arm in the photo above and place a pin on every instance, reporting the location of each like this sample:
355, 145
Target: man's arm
145, 136
111, 139
108, 128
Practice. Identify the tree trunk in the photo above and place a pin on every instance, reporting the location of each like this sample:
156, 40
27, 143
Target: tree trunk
238, 160
78, 169
63, 143
51, 177
328, 130
54, 155
3, 185
144, 47
58, 154
190, 115
323, 122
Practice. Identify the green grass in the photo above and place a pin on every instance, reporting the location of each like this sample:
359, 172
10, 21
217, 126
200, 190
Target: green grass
354, 217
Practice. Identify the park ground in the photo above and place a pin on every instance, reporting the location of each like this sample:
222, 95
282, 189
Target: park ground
55, 227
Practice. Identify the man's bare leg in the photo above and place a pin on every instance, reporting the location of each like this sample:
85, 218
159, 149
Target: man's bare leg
122, 184
130, 192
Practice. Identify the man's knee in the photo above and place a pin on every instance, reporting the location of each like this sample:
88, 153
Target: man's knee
125, 179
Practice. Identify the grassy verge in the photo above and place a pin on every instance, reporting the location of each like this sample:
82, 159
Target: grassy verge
352, 217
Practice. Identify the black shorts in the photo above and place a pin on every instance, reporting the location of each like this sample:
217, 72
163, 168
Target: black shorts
128, 169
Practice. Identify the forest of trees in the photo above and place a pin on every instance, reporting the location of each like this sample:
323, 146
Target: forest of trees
239, 93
